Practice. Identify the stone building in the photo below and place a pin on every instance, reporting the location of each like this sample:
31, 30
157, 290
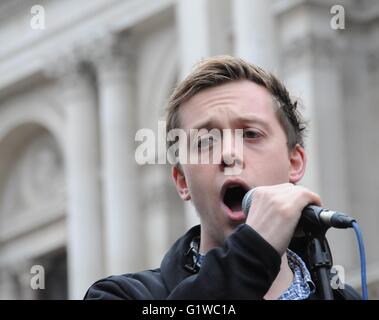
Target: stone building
79, 78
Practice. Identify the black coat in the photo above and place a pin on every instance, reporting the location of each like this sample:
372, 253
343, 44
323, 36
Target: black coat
244, 268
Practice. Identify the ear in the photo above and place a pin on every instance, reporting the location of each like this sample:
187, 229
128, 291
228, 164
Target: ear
298, 162
180, 183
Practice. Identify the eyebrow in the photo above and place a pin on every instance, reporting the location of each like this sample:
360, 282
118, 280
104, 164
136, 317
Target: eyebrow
210, 123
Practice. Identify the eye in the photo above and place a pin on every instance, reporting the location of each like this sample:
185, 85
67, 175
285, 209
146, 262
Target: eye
251, 134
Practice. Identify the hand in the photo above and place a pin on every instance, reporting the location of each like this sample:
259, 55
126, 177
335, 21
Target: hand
275, 212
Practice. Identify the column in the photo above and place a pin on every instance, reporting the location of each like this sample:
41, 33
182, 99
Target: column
84, 221
193, 32
123, 219
254, 32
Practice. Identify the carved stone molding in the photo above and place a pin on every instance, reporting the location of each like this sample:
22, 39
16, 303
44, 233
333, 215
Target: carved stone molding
311, 49
62, 64
110, 54
36, 177
73, 74
105, 52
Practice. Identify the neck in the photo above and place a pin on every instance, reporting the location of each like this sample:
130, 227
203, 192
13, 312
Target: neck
282, 282
207, 243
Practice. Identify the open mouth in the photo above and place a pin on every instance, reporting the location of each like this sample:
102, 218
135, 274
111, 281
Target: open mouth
233, 197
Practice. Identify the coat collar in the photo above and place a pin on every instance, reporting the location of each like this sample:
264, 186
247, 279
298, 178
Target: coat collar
178, 264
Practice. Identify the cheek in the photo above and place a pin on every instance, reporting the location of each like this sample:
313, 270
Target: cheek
200, 181
196, 180
269, 168
279, 168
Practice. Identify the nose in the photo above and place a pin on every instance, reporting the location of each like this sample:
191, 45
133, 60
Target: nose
229, 160
232, 151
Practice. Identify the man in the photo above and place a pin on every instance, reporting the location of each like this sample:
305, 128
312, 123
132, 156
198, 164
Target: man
231, 256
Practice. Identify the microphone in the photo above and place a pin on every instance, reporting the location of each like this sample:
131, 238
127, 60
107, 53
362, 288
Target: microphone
311, 214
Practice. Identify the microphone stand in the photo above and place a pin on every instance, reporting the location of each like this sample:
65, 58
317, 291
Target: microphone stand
319, 258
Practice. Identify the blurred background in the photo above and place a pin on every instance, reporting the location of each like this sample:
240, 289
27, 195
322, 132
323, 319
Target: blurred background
78, 78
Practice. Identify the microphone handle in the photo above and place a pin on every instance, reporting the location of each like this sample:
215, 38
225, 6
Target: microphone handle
311, 215
325, 218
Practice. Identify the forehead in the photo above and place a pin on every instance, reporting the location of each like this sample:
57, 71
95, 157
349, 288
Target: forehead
227, 101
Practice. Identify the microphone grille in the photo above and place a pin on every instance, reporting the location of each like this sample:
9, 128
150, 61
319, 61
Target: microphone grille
246, 202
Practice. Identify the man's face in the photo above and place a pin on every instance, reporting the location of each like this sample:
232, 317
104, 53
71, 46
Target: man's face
265, 159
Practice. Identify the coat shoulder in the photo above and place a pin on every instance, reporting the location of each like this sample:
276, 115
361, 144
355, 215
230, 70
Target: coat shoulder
142, 285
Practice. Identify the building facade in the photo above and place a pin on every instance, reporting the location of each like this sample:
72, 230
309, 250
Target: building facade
79, 78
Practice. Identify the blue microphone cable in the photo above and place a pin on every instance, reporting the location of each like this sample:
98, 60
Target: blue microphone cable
363, 260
